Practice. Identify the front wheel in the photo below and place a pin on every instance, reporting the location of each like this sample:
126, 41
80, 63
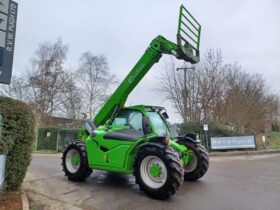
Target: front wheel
158, 172
74, 162
198, 163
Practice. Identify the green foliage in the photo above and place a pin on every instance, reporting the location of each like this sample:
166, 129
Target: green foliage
16, 141
259, 142
213, 130
275, 127
274, 139
47, 138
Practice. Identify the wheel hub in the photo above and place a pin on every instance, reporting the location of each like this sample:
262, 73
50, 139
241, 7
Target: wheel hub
75, 159
155, 170
192, 163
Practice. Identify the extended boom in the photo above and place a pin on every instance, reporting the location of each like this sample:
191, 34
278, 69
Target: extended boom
183, 50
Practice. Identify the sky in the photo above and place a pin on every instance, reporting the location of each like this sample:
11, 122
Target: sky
245, 31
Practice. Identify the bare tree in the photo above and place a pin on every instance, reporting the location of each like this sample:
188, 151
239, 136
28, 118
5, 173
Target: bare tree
95, 81
221, 93
172, 85
197, 97
46, 77
71, 98
273, 110
54, 90
247, 101
43, 83
17, 88
211, 73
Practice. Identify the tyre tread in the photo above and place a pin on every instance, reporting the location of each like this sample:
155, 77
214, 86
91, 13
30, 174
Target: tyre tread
202, 158
176, 176
84, 170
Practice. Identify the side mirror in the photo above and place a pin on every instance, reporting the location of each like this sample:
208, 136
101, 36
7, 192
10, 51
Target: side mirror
146, 125
165, 115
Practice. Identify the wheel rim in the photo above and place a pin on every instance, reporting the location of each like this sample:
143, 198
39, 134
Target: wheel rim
72, 161
191, 166
153, 172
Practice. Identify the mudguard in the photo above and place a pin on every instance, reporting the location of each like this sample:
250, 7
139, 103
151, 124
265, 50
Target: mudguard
190, 137
154, 144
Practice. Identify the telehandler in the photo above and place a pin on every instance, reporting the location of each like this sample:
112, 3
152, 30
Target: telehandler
137, 139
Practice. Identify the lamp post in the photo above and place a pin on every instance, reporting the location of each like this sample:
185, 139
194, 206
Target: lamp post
185, 91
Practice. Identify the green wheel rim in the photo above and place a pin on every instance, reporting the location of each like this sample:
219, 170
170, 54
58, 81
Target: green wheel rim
153, 172
72, 161
192, 163
75, 159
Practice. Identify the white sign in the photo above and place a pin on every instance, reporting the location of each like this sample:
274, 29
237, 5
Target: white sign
235, 142
2, 168
205, 127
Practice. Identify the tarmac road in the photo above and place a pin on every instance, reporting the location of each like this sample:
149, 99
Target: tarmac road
238, 182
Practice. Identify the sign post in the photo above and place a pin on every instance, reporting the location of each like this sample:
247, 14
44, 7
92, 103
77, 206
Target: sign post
8, 19
205, 128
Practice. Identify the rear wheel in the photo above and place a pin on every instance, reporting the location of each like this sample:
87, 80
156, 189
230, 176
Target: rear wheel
158, 172
199, 162
74, 162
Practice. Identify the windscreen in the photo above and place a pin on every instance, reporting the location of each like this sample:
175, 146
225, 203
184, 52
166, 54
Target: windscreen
158, 123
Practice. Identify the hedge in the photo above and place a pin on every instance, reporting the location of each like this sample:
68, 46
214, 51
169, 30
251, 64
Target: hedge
18, 135
213, 130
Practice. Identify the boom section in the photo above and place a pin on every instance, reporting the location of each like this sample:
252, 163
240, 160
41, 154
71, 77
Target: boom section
157, 47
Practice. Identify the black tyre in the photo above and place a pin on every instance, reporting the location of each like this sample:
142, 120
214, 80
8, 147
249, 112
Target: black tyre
199, 162
74, 162
158, 171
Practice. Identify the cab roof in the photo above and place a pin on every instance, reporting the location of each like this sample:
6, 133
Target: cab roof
145, 107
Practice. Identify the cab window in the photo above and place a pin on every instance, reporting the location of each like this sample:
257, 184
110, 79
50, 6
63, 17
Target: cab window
158, 123
130, 118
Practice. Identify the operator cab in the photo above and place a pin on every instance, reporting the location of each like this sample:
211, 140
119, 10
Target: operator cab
130, 123
158, 116
138, 121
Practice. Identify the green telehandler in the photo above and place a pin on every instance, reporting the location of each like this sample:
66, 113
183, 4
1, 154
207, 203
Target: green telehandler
137, 139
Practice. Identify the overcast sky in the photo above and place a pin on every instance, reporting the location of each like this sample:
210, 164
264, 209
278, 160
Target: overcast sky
246, 31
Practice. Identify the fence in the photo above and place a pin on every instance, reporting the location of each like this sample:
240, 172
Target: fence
55, 139
213, 131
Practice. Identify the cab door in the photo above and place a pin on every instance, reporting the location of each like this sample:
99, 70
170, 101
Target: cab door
112, 147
